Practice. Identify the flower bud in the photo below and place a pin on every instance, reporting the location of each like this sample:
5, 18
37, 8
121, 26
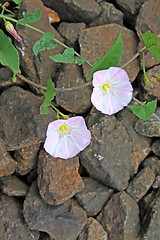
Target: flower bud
10, 28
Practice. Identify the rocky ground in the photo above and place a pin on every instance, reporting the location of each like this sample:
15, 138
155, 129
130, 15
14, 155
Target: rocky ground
111, 189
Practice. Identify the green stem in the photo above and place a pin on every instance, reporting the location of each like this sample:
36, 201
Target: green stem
59, 113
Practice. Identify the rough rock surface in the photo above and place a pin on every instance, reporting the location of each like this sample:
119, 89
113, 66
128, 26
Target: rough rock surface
75, 10
109, 14
140, 144
36, 68
141, 183
150, 127
13, 186
120, 217
105, 35
93, 230
12, 224
152, 162
23, 114
106, 159
151, 223
71, 76
156, 147
26, 158
7, 163
94, 196
58, 179
70, 32
63, 222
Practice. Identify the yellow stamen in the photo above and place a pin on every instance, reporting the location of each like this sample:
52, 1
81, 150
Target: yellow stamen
63, 128
106, 86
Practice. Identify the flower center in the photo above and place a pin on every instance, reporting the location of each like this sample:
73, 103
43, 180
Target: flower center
63, 129
106, 87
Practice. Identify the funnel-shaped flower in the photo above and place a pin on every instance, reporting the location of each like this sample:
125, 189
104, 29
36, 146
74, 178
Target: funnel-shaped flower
66, 138
10, 28
112, 90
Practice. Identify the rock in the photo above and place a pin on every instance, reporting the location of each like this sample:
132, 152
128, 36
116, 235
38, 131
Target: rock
155, 147
145, 202
156, 183
120, 217
152, 162
6, 79
141, 183
98, 47
26, 158
148, 18
64, 222
94, 196
74, 10
93, 230
70, 32
140, 144
13, 186
109, 14
79, 100
12, 224
151, 223
58, 179
149, 127
36, 68
154, 88
21, 122
108, 157
7, 163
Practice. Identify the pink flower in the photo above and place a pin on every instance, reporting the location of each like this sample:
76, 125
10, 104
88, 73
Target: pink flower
10, 28
112, 90
66, 138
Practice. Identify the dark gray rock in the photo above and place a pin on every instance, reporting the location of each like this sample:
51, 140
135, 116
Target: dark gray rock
21, 122
13, 186
93, 230
108, 157
155, 147
75, 10
79, 100
94, 196
70, 32
12, 225
26, 158
120, 217
58, 179
141, 183
140, 144
151, 222
154, 163
63, 222
130, 7
149, 127
109, 14
7, 163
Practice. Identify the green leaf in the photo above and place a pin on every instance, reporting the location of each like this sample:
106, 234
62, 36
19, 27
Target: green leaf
144, 112
8, 54
45, 42
18, 2
111, 58
66, 57
150, 39
80, 60
49, 95
155, 50
30, 17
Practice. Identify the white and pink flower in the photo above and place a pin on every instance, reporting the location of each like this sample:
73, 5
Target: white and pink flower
112, 90
66, 138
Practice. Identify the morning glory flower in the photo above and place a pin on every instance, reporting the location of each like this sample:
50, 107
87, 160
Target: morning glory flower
66, 138
10, 28
112, 90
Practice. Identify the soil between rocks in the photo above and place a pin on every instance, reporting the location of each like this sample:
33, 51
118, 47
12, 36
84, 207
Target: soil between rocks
111, 189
